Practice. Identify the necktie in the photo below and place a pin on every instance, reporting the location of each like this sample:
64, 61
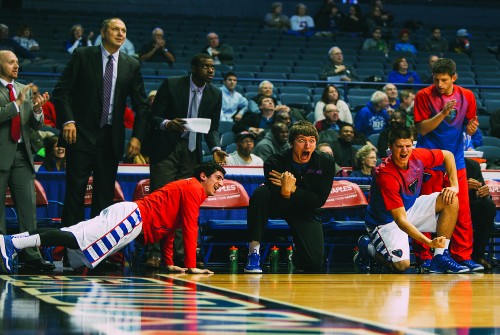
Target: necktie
106, 91
193, 112
15, 125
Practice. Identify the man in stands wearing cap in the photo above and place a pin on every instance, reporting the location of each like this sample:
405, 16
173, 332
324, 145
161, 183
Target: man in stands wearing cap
461, 43
243, 154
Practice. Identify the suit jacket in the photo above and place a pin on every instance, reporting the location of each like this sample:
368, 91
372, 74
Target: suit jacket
172, 101
78, 97
7, 112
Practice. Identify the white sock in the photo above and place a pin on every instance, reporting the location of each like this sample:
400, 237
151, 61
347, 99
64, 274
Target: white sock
254, 247
440, 251
26, 241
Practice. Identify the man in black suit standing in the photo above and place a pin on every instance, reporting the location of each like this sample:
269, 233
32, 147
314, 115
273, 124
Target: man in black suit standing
90, 100
173, 151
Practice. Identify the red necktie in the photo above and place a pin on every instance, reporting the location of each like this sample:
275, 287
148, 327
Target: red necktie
15, 126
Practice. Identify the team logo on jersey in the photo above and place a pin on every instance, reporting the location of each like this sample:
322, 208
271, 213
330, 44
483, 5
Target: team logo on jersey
397, 253
451, 117
413, 187
427, 176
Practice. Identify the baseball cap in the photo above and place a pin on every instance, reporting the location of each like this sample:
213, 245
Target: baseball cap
244, 134
462, 33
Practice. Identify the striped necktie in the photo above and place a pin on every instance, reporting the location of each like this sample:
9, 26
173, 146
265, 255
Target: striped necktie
106, 91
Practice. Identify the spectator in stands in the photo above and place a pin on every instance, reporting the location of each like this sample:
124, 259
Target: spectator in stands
298, 182
331, 120
276, 20
355, 23
406, 98
151, 97
372, 118
55, 156
8, 43
329, 20
400, 73
343, 146
283, 116
157, 50
49, 113
397, 210
127, 46
243, 155
301, 24
376, 42
77, 38
404, 43
327, 149
397, 119
275, 141
461, 44
435, 42
336, 70
387, 17
156, 216
392, 93
427, 77
234, 104
25, 39
331, 95
442, 112
222, 53
376, 19
265, 89
366, 160
483, 212
257, 123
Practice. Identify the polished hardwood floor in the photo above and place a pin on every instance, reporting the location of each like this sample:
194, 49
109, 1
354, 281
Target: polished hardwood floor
140, 302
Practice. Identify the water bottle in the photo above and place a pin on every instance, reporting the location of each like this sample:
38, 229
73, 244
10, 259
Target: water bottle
233, 259
274, 258
289, 254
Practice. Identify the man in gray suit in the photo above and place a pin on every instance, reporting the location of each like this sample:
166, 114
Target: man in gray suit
90, 100
19, 111
173, 151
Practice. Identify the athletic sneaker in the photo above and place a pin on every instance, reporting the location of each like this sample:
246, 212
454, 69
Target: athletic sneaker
253, 263
362, 257
8, 252
445, 264
473, 266
425, 266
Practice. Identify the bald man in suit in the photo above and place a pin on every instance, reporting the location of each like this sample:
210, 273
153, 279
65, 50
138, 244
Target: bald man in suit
19, 112
90, 100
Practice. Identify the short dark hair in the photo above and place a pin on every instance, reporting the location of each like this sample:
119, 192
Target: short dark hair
209, 168
230, 74
399, 133
324, 95
105, 23
302, 127
444, 66
196, 60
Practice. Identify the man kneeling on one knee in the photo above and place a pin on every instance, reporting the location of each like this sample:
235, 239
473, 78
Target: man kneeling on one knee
396, 210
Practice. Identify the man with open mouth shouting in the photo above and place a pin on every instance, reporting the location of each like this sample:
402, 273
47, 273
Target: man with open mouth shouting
298, 182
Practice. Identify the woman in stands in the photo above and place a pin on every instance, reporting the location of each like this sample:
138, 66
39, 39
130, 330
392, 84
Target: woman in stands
55, 156
366, 160
78, 39
331, 95
401, 74
25, 39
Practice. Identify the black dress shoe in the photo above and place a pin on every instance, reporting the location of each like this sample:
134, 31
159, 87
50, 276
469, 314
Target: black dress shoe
487, 266
38, 265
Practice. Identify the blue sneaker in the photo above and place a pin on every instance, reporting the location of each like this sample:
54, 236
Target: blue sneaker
8, 252
473, 266
362, 257
425, 266
253, 263
445, 264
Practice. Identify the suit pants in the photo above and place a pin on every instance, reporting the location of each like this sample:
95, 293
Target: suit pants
483, 212
20, 179
306, 227
178, 165
102, 163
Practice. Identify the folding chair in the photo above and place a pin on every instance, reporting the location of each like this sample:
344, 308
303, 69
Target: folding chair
223, 214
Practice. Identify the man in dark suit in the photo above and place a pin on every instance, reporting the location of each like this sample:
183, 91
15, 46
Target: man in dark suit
172, 156
20, 111
90, 100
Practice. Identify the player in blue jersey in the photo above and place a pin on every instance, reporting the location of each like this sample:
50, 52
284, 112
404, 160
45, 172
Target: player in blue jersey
443, 111
396, 209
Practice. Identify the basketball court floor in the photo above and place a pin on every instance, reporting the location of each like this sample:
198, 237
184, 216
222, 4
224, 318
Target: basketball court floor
140, 302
